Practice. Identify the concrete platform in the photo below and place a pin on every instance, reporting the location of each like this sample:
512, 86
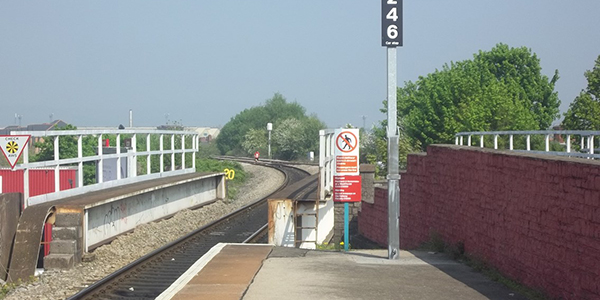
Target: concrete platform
235, 272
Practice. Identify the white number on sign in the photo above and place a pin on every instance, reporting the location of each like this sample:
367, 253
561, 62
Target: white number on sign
392, 31
392, 14
392, 2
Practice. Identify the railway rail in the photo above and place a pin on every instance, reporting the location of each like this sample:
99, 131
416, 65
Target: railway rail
149, 276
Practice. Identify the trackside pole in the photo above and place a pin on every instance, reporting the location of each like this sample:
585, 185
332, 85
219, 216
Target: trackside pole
391, 38
393, 170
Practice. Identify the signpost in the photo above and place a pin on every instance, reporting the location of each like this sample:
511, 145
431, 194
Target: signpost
346, 179
391, 37
12, 147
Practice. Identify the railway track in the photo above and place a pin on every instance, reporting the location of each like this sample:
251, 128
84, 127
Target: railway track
149, 276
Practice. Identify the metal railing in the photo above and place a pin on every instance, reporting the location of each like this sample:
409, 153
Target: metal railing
585, 141
103, 159
326, 162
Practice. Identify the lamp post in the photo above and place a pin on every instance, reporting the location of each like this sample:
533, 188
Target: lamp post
269, 128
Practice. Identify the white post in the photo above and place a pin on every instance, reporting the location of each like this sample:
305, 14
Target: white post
510, 139
481, 141
269, 128
80, 164
100, 179
172, 152
56, 166
118, 156
133, 163
528, 142
547, 142
183, 152
461, 140
568, 143
321, 164
496, 141
162, 154
148, 159
26, 177
469, 140
195, 148
591, 144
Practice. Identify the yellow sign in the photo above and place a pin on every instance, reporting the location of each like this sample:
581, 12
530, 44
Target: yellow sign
229, 173
12, 147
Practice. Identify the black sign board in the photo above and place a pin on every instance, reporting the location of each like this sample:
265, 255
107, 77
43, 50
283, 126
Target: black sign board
391, 23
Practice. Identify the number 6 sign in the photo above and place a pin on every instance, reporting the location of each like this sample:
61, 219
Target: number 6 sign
391, 23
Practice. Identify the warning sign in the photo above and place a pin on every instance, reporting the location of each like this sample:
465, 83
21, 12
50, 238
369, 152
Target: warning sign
346, 152
346, 164
13, 146
346, 179
347, 188
346, 141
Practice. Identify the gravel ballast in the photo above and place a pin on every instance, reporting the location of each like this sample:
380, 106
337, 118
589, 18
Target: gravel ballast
60, 284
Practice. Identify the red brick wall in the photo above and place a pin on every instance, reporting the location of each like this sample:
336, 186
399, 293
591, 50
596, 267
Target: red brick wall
534, 218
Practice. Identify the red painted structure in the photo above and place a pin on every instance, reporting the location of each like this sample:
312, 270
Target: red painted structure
41, 181
534, 218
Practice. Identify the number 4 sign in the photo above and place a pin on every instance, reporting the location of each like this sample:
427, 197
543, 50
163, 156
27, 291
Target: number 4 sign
391, 23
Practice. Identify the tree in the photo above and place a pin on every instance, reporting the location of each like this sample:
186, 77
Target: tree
501, 89
246, 132
292, 138
584, 111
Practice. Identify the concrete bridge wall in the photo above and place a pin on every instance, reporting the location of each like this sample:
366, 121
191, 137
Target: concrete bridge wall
534, 218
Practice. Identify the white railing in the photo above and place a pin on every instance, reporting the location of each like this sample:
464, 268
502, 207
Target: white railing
326, 162
585, 141
101, 159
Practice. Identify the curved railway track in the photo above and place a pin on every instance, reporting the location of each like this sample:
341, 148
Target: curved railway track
149, 276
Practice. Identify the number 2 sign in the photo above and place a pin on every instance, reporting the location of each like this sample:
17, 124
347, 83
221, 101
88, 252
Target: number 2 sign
391, 23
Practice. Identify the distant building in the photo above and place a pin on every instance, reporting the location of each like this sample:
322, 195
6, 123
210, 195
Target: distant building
207, 134
34, 127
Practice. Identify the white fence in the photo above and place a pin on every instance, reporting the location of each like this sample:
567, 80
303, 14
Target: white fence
326, 162
100, 158
584, 139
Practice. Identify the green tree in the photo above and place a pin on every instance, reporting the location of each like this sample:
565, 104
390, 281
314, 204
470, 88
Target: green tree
584, 111
255, 140
293, 138
500, 89
246, 132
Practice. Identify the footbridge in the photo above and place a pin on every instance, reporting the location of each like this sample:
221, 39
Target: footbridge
123, 178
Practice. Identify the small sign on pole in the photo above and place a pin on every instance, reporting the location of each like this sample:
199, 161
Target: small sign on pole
346, 179
13, 146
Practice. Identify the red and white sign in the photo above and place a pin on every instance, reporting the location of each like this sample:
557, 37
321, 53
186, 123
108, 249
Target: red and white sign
12, 147
347, 188
346, 152
346, 179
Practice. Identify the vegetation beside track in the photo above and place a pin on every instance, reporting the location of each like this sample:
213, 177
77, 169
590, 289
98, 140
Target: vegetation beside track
233, 182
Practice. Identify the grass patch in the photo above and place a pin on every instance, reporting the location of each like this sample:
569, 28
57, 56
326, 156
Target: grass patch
332, 246
239, 174
457, 252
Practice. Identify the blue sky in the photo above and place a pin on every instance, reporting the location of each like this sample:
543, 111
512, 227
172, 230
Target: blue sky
200, 63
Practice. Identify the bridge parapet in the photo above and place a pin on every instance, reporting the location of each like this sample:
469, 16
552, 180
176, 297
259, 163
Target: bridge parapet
567, 139
132, 150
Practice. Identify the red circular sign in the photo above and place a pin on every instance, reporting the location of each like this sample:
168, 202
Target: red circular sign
346, 141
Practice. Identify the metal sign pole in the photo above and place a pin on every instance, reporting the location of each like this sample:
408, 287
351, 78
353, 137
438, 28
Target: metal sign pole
391, 34
346, 227
393, 170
